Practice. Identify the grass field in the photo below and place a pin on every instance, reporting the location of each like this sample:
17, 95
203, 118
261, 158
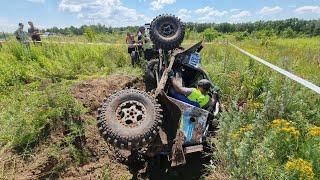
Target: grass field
270, 129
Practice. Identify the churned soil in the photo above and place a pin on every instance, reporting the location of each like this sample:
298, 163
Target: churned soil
100, 159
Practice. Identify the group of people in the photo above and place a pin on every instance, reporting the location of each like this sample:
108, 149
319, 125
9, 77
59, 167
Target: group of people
142, 47
23, 37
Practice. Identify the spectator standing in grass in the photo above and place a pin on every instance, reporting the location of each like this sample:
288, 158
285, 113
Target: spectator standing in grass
130, 42
131, 49
22, 36
145, 41
34, 33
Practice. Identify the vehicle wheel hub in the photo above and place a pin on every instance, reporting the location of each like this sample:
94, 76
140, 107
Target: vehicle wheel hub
131, 113
167, 30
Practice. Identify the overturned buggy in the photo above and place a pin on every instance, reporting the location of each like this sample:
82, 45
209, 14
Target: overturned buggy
152, 122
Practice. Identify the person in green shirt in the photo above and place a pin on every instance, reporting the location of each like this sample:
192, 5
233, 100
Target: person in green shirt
198, 96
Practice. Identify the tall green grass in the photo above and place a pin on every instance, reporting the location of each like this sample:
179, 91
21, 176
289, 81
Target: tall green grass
266, 130
34, 87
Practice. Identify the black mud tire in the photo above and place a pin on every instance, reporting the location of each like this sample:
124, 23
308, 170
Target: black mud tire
123, 129
150, 78
167, 32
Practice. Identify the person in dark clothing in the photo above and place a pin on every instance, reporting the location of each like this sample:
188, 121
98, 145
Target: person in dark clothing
34, 33
146, 44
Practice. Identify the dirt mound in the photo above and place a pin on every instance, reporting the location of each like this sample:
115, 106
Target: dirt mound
92, 92
103, 160
99, 158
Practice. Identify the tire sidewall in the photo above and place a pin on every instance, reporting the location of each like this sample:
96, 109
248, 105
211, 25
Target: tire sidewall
127, 132
164, 20
167, 43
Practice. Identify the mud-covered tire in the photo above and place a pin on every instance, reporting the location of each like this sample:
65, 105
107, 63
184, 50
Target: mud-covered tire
129, 119
150, 79
167, 32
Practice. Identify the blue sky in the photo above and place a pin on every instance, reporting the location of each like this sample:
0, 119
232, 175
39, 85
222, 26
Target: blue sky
62, 13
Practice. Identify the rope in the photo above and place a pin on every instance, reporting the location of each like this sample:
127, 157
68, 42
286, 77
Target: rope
303, 82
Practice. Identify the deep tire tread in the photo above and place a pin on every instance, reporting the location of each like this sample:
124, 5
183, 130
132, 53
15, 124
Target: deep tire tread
161, 42
132, 142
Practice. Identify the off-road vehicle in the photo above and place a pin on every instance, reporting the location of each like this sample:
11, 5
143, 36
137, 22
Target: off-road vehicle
151, 122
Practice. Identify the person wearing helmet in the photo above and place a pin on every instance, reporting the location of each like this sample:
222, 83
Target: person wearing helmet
198, 96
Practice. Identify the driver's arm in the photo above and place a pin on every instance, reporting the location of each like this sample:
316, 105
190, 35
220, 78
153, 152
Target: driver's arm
179, 88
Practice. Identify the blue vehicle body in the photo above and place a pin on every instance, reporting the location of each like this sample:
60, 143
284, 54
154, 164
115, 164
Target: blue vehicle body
192, 123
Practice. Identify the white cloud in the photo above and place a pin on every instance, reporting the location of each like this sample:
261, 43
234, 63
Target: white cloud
240, 15
204, 10
159, 4
308, 9
109, 12
184, 14
234, 10
65, 6
209, 13
6, 26
37, 1
270, 10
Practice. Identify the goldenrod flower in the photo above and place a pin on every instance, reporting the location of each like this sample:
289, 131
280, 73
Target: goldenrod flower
304, 168
280, 122
291, 130
246, 128
236, 135
284, 126
314, 131
254, 105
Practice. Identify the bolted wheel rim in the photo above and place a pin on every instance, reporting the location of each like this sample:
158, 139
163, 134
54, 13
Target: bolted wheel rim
131, 113
167, 30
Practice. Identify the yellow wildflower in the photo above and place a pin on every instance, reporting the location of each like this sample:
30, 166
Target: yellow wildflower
246, 128
280, 123
314, 131
304, 168
291, 130
236, 135
254, 104
284, 126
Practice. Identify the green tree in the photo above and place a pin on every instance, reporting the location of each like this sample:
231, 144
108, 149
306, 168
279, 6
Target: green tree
288, 33
187, 33
90, 33
210, 34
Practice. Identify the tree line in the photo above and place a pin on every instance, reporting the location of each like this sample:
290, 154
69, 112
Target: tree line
293, 25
